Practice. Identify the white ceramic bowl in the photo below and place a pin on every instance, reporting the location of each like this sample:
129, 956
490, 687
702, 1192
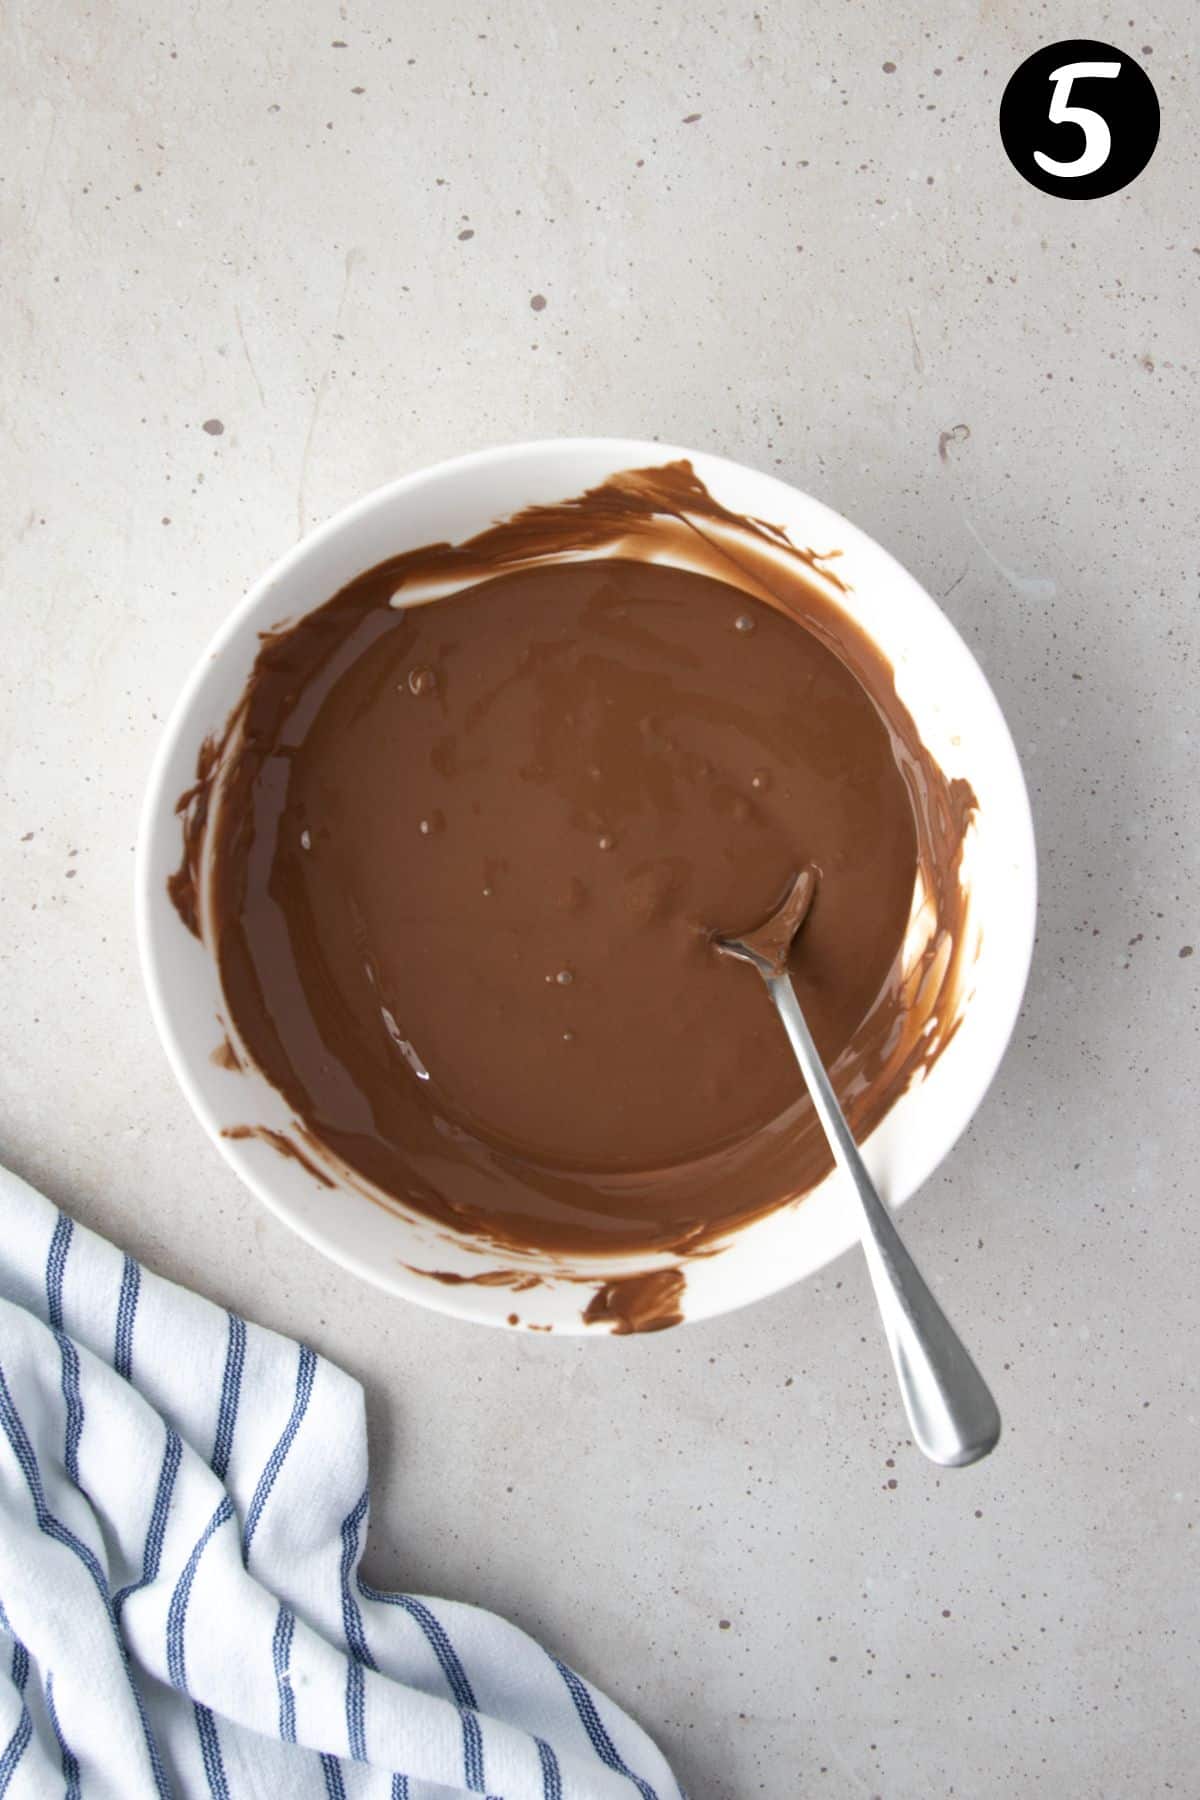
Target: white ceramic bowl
959, 721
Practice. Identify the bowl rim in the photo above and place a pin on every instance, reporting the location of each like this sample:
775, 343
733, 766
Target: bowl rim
158, 816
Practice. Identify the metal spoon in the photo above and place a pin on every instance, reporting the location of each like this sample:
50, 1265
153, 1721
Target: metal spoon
953, 1416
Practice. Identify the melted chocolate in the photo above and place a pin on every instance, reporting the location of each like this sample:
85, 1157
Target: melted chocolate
461, 865
650, 1302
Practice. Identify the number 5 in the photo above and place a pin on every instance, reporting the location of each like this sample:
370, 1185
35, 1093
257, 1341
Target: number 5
1097, 137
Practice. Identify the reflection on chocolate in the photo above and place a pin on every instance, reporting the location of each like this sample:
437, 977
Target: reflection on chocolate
649, 1302
461, 864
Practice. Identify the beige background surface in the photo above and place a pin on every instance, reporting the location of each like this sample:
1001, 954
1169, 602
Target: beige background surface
323, 227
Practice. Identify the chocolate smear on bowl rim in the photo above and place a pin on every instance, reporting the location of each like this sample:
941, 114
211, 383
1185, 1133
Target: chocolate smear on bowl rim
647, 1302
286, 1146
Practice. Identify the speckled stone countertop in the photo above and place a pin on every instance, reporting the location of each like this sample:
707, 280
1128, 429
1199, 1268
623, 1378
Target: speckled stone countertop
259, 260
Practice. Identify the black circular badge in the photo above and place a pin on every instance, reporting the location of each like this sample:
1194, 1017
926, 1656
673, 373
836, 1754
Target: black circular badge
1079, 119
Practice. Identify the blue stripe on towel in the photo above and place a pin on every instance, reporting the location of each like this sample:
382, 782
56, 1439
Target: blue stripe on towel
14, 1430
456, 1676
18, 1743
177, 1611
74, 1400
437, 1638
356, 1637
335, 1787
593, 1724
156, 1530
399, 1787
472, 1751
281, 1649
210, 1750
131, 1282
70, 1762
352, 1621
15, 1748
56, 1262
231, 1388
551, 1773
305, 1374
356, 1711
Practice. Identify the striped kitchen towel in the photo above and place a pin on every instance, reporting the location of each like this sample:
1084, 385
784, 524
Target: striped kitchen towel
183, 1506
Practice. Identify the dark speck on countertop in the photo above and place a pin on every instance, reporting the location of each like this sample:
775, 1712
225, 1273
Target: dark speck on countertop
214, 427
957, 434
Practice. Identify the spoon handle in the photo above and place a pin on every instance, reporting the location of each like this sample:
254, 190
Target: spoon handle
950, 1408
